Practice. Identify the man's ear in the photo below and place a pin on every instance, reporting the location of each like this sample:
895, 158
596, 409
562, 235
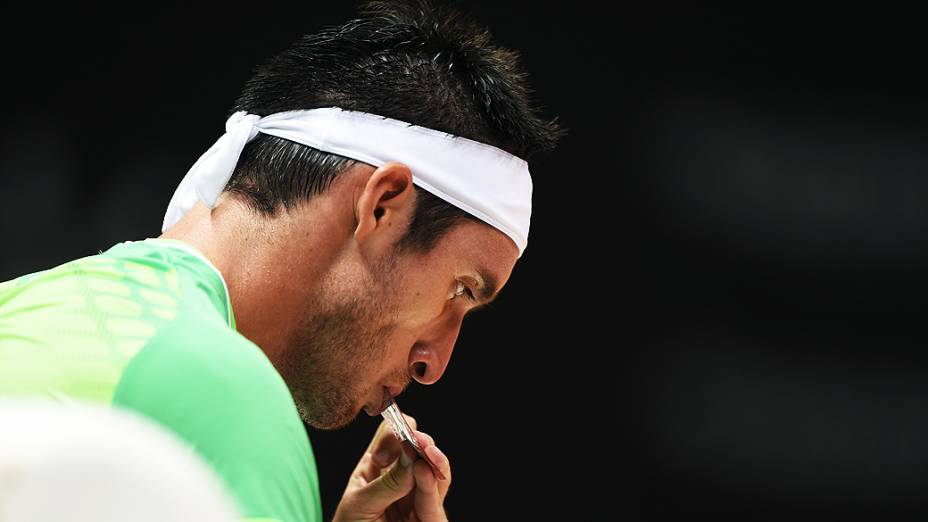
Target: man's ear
384, 207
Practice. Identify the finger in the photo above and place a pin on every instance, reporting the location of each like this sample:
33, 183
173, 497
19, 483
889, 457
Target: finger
366, 469
376, 496
384, 449
438, 458
443, 464
424, 439
427, 500
380, 453
380, 457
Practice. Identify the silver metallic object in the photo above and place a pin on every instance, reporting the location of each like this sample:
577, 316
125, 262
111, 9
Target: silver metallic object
403, 432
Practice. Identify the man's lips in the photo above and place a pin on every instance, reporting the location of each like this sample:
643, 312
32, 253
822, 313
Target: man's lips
379, 404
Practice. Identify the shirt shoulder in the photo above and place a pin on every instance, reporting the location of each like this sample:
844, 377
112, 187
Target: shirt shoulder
219, 392
69, 331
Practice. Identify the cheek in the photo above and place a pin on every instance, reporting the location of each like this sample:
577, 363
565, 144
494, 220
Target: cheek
419, 308
396, 348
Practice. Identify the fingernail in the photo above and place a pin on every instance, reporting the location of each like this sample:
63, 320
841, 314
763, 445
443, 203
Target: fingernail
382, 457
404, 460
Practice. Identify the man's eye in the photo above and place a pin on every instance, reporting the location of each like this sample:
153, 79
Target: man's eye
461, 289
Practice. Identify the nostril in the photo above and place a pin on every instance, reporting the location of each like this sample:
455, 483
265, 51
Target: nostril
418, 370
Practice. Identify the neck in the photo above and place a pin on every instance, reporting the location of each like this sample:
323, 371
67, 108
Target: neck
261, 263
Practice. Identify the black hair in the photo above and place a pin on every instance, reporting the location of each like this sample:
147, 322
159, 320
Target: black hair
409, 61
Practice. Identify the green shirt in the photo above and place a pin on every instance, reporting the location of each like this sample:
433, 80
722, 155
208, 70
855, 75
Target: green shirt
147, 326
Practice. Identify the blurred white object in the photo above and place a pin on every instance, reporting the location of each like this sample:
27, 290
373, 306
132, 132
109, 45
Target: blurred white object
81, 463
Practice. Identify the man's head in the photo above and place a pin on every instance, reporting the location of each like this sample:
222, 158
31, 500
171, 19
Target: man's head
399, 267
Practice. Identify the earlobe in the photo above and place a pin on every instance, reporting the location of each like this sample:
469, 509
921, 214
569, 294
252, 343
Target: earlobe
385, 202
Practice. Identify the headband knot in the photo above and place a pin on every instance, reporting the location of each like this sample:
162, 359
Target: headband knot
239, 117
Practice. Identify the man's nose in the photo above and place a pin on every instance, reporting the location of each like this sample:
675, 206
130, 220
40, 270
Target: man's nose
430, 356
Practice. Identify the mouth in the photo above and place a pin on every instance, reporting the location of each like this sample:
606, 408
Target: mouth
376, 406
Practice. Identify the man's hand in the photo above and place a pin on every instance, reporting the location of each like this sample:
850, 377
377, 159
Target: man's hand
390, 485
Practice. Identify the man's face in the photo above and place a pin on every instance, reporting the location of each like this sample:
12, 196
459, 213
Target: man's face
369, 331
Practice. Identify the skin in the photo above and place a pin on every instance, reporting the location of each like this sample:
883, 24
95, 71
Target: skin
346, 318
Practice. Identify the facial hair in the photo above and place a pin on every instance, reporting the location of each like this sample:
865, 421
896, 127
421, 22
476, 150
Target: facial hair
339, 343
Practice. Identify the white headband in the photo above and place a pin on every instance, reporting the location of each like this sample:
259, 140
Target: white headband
484, 181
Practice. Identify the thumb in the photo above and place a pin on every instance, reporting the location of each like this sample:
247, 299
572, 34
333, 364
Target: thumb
386, 489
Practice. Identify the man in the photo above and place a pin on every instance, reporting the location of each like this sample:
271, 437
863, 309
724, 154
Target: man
370, 190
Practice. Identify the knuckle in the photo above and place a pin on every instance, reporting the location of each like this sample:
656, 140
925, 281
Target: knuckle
391, 481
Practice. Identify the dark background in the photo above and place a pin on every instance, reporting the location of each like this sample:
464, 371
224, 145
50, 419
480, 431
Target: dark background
721, 309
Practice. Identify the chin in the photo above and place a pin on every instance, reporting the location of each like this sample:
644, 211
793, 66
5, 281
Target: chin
329, 421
